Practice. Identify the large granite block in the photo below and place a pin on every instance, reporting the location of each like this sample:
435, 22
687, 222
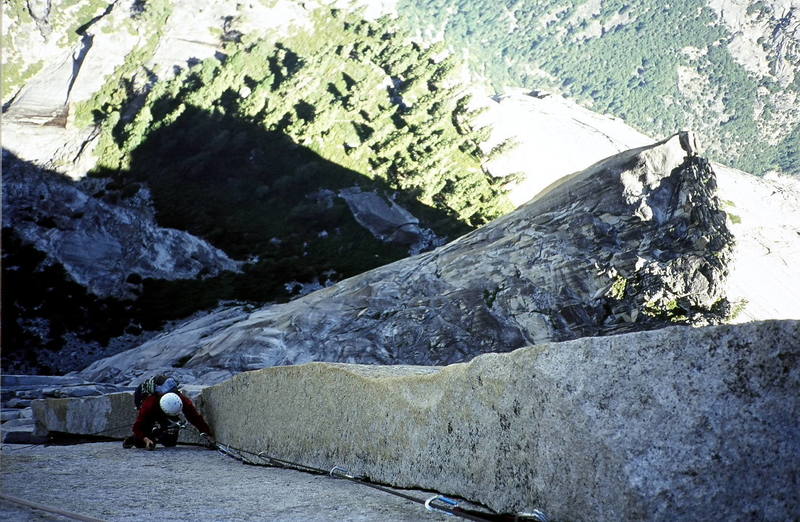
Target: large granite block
679, 423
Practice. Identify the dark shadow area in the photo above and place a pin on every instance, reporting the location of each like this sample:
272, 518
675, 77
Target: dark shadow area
82, 29
58, 438
255, 194
43, 307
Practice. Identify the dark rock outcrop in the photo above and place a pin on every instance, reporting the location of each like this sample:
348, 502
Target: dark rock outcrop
388, 221
634, 242
99, 244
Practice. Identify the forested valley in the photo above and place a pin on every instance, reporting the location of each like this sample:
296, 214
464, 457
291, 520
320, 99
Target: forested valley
660, 67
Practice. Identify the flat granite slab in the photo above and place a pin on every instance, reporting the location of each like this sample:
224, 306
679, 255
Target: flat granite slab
105, 481
105, 416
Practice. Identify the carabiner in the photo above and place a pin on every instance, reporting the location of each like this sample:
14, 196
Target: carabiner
265, 458
340, 471
444, 500
535, 515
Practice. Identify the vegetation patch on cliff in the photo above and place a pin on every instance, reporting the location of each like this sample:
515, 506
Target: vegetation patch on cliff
357, 93
249, 150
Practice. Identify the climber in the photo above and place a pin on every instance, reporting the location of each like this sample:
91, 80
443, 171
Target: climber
159, 402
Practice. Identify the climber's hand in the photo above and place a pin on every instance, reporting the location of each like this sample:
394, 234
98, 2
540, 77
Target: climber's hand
149, 444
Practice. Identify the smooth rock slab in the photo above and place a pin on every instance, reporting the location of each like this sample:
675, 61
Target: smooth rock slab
16, 423
17, 403
109, 415
26, 382
679, 423
8, 414
388, 221
103, 480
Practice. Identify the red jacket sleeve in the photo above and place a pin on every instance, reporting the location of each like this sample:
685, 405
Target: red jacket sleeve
193, 416
146, 418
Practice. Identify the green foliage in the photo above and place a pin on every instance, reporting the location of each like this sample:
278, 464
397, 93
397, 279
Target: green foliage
247, 152
17, 10
727, 205
68, 18
787, 156
737, 308
624, 58
77, 20
670, 311
503, 147
15, 73
117, 90
489, 296
352, 91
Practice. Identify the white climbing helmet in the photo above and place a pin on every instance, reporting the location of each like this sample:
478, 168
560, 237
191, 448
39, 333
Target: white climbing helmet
171, 404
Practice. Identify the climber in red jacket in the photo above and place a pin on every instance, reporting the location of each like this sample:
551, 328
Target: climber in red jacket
158, 421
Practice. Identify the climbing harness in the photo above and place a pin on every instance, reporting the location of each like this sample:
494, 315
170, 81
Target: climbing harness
436, 503
170, 427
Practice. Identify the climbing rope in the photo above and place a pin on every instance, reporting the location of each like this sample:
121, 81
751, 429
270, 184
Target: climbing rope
436, 503
49, 509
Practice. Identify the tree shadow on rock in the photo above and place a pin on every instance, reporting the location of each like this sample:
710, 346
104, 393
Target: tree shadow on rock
262, 198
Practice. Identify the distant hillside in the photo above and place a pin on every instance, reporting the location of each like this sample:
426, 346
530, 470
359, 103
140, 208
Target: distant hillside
727, 70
